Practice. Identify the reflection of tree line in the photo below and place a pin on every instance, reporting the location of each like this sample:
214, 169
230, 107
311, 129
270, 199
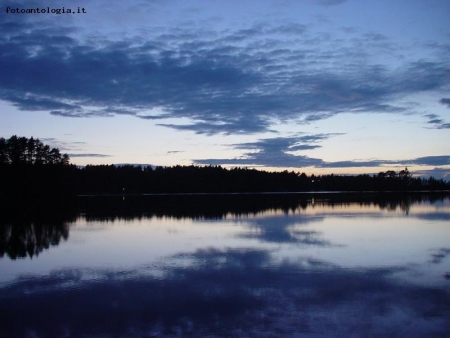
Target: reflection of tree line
27, 230
392, 201
218, 206
30, 239
203, 206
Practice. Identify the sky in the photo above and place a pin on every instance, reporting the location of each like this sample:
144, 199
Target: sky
314, 86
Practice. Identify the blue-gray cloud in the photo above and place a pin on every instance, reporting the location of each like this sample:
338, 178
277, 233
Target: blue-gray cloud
437, 122
284, 152
229, 82
445, 101
276, 152
431, 160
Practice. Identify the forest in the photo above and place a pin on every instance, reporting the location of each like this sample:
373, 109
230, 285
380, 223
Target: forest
29, 168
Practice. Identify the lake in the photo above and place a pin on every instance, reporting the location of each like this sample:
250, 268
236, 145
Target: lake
267, 265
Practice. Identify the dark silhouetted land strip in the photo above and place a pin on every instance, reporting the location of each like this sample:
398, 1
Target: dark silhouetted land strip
129, 179
29, 170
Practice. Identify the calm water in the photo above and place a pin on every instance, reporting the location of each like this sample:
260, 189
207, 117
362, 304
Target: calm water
236, 266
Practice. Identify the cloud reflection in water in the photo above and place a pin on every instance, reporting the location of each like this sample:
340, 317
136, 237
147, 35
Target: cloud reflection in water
225, 293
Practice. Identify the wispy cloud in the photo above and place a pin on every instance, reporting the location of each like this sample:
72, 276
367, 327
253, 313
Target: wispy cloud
437, 122
286, 152
330, 2
275, 152
88, 155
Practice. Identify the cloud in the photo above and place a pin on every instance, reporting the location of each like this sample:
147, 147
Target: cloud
88, 155
426, 161
434, 119
64, 146
439, 173
223, 81
284, 152
431, 160
275, 152
354, 164
30, 102
445, 101
237, 126
437, 122
330, 2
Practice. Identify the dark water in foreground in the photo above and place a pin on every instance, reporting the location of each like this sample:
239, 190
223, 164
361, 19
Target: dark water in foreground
235, 266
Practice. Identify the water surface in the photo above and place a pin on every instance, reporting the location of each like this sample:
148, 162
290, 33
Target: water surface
243, 266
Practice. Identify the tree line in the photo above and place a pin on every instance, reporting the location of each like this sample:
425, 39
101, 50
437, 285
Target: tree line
216, 179
30, 168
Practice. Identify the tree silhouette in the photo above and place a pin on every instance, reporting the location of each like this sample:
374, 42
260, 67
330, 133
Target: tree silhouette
405, 175
32, 169
21, 150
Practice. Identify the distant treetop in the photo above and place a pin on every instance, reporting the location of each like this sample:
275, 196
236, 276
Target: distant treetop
22, 150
